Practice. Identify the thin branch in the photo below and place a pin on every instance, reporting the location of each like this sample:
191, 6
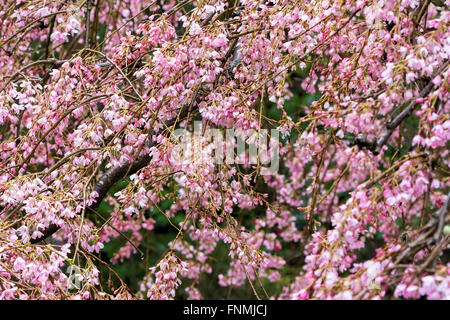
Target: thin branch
442, 213
55, 62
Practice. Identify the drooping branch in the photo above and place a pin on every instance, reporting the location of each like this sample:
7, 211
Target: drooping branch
113, 175
375, 146
429, 236
52, 61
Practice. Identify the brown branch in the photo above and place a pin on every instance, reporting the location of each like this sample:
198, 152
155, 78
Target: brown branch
111, 177
424, 239
375, 146
88, 18
53, 61
441, 215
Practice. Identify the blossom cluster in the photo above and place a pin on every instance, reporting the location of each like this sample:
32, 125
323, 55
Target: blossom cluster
91, 95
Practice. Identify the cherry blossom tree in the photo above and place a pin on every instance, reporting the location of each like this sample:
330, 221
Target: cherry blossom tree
93, 91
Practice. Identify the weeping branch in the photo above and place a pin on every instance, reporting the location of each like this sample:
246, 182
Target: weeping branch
113, 175
375, 146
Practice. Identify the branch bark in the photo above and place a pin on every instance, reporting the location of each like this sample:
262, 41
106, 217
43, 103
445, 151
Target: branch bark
111, 177
375, 146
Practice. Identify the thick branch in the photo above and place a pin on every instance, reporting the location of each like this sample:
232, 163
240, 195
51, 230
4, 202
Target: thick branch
88, 18
375, 147
111, 177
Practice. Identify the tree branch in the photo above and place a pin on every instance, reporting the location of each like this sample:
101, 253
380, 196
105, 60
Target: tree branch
375, 146
112, 176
